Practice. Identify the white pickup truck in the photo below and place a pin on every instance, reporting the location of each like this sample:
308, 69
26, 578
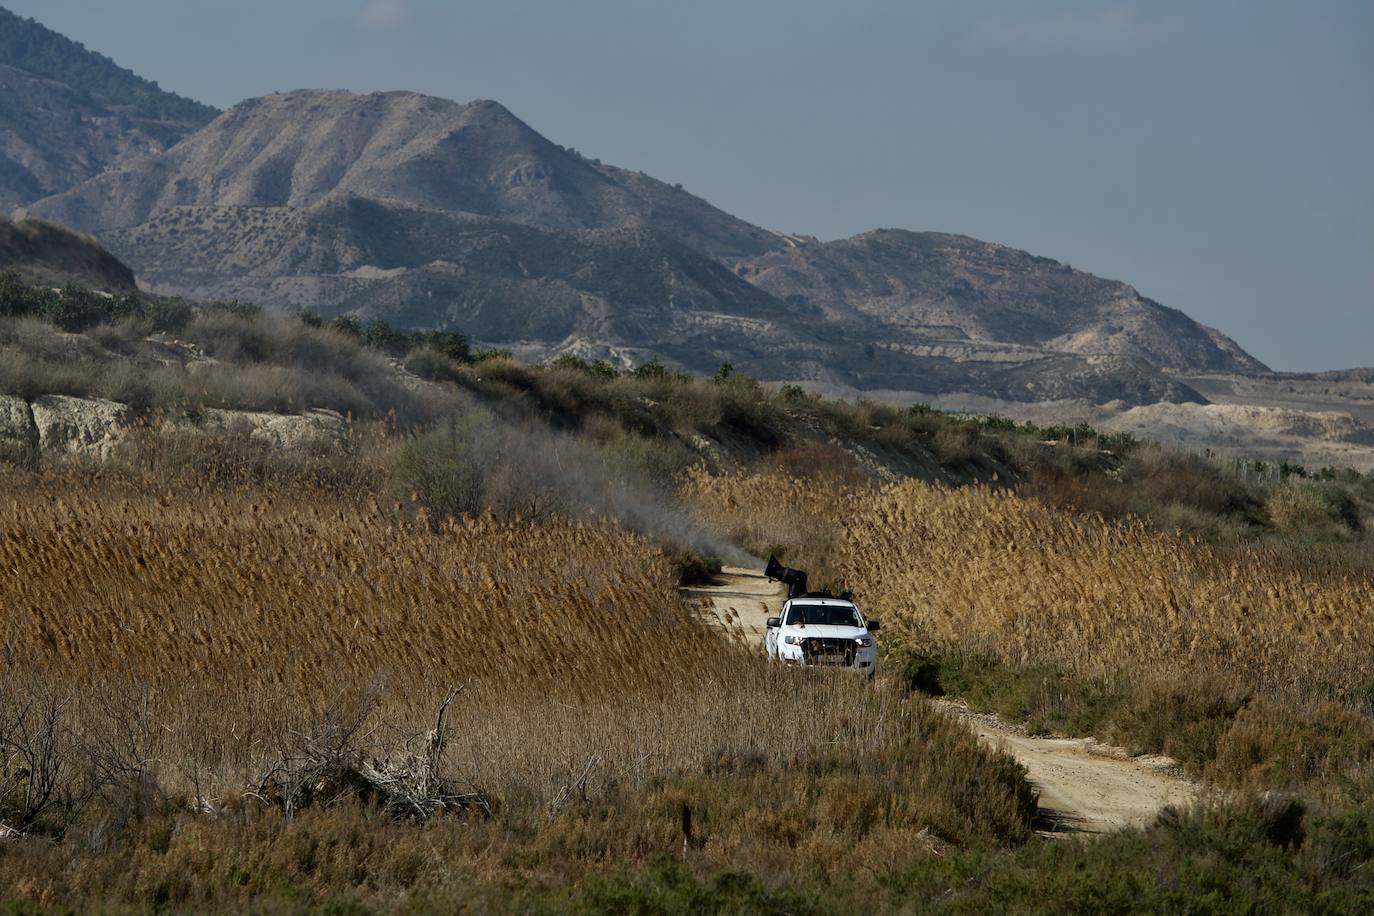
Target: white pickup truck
823, 631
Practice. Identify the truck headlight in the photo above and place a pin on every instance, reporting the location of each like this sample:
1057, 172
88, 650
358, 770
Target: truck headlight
793, 640
865, 642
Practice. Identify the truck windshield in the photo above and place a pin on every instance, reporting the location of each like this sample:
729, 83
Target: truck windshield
823, 615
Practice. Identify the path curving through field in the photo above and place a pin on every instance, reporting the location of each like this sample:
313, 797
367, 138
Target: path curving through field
1083, 787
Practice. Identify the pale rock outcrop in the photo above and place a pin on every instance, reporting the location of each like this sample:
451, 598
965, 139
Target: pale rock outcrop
314, 430
79, 427
18, 434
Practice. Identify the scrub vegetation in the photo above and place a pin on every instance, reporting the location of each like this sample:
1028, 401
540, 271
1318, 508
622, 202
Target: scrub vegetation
445, 665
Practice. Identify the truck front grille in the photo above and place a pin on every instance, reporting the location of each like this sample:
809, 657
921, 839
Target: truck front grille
819, 650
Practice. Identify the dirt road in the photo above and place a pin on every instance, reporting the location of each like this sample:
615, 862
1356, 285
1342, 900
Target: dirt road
1083, 787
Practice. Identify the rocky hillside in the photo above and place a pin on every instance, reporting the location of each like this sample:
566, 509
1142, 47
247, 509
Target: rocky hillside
627, 295
43, 253
416, 267
956, 293
53, 428
429, 213
69, 113
299, 149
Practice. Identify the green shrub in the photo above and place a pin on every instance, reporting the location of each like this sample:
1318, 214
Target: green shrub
14, 295
170, 315
236, 308
601, 369
382, 336
1183, 719
486, 354
650, 370
691, 566
452, 344
1046, 699
75, 308
348, 324
445, 470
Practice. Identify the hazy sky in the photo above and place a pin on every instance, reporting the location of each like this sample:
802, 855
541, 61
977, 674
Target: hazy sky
1216, 155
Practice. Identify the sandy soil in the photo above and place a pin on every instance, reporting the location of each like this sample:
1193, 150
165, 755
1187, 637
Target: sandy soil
740, 602
1084, 787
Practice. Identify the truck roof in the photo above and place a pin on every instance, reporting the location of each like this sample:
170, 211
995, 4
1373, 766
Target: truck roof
807, 599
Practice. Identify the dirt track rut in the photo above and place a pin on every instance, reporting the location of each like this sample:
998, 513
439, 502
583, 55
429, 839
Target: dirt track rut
1083, 787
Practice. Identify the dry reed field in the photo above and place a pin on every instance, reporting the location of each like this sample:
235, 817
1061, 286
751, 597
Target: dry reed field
266, 592
986, 571
190, 640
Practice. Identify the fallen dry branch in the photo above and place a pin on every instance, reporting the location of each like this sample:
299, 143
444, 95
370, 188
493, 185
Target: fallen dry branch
332, 766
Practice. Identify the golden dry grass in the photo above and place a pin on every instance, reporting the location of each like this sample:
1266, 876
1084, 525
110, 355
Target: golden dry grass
262, 591
249, 622
983, 570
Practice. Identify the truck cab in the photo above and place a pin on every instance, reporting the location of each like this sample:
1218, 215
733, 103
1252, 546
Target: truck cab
823, 631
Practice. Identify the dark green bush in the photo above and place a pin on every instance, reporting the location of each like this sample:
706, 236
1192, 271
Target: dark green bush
650, 370
348, 324
75, 308
168, 314
452, 344
382, 336
237, 308
600, 369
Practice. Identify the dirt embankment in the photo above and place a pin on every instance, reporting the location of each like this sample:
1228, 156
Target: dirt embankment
1083, 787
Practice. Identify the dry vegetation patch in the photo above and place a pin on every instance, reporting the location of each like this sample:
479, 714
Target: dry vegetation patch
1082, 624
985, 570
211, 660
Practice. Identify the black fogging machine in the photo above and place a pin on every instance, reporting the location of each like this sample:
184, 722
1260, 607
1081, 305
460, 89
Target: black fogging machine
794, 579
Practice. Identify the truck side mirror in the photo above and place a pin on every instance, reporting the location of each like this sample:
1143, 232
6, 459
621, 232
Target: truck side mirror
874, 625
773, 622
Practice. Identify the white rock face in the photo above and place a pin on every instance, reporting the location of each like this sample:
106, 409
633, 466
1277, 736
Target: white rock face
18, 434
58, 427
79, 427
315, 430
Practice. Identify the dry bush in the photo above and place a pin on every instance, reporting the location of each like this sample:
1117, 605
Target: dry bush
1314, 510
475, 462
122, 336
825, 462
428, 363
169, 452
957, 446
881, 784
1315, 745
262, 363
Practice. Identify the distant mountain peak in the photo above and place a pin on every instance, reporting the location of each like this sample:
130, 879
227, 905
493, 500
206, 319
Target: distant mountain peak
302, 147
69, 113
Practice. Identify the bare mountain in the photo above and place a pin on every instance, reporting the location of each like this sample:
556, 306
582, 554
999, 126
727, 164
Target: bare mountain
419, 267
432, 213
298, 149
629, 295
69, 113
958, 294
